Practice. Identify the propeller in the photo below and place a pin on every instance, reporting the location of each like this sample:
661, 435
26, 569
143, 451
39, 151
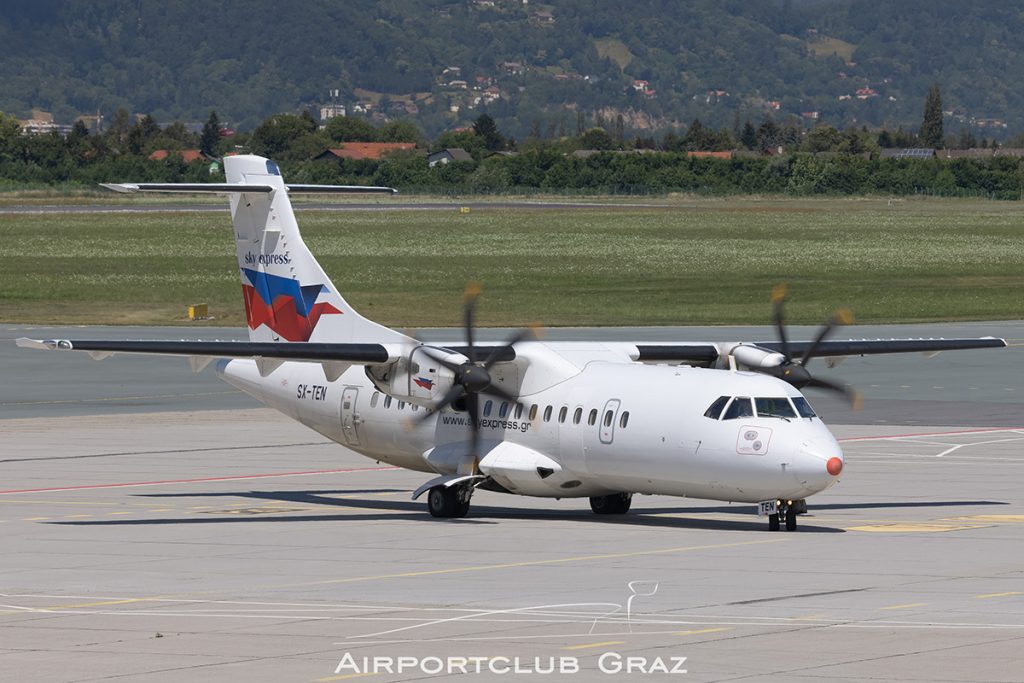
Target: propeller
473, 377
795, 371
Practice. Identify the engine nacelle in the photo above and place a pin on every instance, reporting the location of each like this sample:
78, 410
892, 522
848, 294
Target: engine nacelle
756, 357
416, 378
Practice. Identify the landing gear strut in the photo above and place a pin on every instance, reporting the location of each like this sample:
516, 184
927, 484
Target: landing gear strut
614, 504
449, 501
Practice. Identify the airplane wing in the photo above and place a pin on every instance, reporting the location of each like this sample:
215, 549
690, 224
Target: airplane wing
335, 358
349, 353
864, 347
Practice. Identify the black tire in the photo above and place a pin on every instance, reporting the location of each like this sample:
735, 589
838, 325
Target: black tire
773, 522
791, 518
441, 502
614, 504
461, 509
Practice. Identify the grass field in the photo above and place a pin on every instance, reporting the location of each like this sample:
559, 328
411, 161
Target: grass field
700, 261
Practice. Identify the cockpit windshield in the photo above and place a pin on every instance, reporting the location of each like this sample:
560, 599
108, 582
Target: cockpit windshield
803, 407
716, 408
740, 407
774, 407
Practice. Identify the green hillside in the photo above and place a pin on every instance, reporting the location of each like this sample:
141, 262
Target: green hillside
851, 61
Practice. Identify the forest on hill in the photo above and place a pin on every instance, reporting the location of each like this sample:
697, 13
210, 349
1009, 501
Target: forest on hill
532, 66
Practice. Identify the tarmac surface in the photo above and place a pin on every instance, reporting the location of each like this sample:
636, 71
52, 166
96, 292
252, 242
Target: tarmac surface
157, 526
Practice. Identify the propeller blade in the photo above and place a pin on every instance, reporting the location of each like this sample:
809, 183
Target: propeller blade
435, 356
526, 334
851, 394
502, 393
778, 299
471, 295
840, 317
473, 408
453, 395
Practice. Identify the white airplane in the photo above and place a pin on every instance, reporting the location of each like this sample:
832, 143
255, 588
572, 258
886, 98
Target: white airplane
723, 421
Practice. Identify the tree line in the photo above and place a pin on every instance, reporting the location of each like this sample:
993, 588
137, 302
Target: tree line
821, 161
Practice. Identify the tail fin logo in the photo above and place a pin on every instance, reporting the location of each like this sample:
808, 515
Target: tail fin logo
284, 305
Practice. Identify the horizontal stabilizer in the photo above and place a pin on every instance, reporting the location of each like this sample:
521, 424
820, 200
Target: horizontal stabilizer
230, 188
190, 188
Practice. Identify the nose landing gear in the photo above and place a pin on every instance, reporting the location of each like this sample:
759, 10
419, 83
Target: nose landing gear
783, 510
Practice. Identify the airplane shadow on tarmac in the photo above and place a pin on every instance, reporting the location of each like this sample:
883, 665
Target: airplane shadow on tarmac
380, 509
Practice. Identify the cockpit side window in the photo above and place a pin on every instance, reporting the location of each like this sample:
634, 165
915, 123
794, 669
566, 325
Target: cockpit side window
774, 407
716, 408
803, 407
740, 407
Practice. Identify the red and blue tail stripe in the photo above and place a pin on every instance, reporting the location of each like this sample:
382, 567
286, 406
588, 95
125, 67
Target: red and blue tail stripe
282, 304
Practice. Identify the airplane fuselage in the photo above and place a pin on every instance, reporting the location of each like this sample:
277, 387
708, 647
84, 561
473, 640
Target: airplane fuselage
612, 427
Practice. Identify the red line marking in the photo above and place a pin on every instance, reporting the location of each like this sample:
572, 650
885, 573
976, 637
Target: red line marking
198, 481
907, 436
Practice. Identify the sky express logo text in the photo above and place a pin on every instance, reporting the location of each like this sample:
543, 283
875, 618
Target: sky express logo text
252, 259
485, 422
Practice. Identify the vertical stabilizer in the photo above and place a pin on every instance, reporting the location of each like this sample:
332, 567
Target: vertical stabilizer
288, 296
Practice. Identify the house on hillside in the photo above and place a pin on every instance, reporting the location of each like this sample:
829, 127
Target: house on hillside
187, 155
908, 153
710, 155
364, 150
447, 156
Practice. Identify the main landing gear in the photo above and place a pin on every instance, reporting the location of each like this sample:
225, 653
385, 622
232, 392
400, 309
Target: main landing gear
614, 504
786, 510
449, 501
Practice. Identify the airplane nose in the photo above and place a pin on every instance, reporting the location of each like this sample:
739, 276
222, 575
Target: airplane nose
834, 466
820, 463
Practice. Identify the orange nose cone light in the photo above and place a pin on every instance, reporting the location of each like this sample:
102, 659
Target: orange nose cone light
834, 466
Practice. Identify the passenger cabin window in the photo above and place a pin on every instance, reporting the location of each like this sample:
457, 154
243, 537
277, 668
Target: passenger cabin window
608, 418
487, 408
503, 409
533, 412
803, 407
547, 414
774, 407
373, 399
387, 401
740, 407
592, 418
414, 407
401, 405
519, 410
577, 416
562, 413
715, 411
624, 420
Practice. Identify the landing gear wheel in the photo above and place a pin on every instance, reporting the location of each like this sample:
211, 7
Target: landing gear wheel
449, 501
791, 518
773, 522
440, 501
614, 504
